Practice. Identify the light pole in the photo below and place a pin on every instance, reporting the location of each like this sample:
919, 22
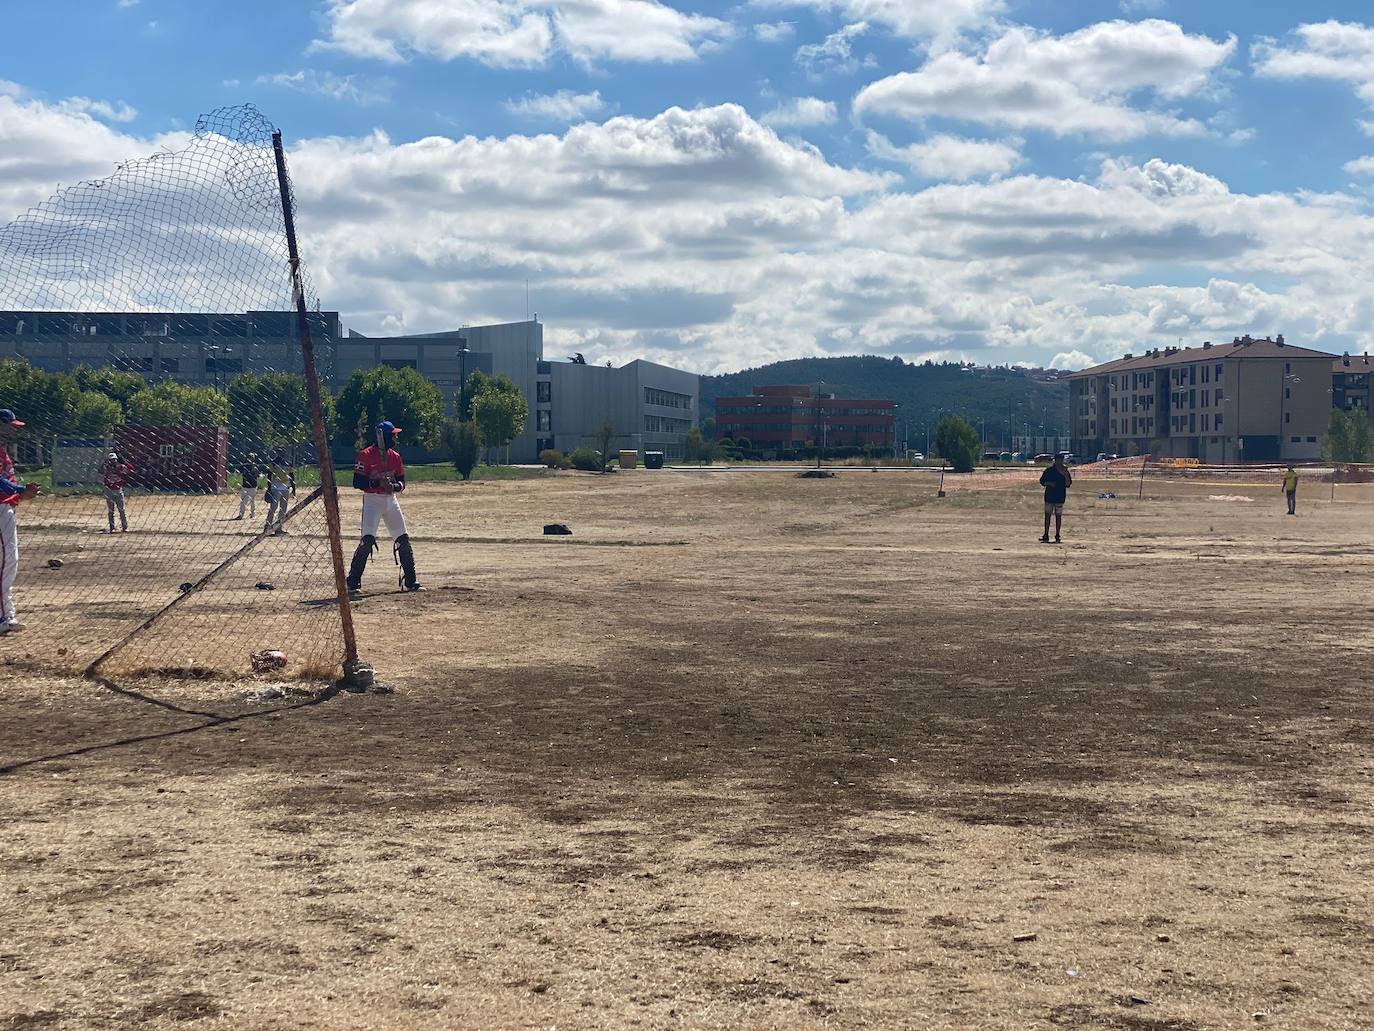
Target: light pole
820, 424
219, 351
462, 374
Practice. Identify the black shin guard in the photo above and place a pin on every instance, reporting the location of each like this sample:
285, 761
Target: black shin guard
355, 571
405, 558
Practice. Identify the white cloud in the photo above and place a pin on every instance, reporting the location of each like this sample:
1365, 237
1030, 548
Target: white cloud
939, 21
703, 239
801, 112
1071, 360
126, 3
1338, 51
1360, 166
563, 106
950, 157
1084, 83
774, 32
835, 54
103, 109
518, 33
356, 89
1142, 6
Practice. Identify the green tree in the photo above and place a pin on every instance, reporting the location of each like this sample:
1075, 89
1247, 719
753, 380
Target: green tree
500, 411
475, 383
115, 384
174, 404
401, 395
272, 410
464, 441
42, 400
94, 415
956, 441
693, 445
1349, 437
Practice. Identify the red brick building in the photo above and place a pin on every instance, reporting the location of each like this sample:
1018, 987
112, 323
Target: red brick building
787, 416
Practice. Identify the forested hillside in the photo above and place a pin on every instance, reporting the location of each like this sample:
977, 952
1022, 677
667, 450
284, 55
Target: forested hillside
994, 397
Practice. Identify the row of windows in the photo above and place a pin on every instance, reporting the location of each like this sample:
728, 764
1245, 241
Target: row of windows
1189, 398
265, 324
667, 399
660, 424
1189, 423
1139, 426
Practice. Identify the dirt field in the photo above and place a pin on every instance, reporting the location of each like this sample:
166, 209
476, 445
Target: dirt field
745, 751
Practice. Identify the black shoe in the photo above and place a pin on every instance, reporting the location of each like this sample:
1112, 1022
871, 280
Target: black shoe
1045, 539
1058, 541
236, 519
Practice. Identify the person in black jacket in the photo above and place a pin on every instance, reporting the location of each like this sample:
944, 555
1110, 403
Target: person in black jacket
1056, 480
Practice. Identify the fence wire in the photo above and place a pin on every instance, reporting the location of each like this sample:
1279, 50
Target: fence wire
149, 344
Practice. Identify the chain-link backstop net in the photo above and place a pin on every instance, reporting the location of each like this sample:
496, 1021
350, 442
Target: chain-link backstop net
150, 342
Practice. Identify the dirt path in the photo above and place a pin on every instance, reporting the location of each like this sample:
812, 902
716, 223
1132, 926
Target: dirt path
745, 751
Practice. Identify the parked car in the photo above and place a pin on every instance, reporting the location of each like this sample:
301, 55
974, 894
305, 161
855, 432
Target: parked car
916, 456
1072, 459
1043, 459
1107, 456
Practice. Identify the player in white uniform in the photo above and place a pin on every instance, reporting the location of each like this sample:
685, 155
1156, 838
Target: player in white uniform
381, 475
11, 493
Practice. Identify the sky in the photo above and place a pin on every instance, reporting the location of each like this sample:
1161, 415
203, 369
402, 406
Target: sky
718, 185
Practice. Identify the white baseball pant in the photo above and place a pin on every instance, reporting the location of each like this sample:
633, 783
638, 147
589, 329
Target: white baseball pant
382, 507
9, 559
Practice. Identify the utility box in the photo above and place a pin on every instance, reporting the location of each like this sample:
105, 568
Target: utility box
629, 458
653, 460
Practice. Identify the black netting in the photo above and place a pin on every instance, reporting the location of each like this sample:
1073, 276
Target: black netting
149, 340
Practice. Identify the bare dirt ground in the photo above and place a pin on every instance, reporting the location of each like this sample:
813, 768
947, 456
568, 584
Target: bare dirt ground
745, 751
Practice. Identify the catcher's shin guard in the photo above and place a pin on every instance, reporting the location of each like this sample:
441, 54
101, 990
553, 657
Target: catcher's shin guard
355, 570
405, 558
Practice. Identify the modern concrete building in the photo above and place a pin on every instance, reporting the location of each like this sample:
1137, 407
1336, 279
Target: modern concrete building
651, 406
788, 417
189, 347
1246, 401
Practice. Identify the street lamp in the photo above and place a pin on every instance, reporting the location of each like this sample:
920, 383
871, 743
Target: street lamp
820, 424
219, 351
462, 374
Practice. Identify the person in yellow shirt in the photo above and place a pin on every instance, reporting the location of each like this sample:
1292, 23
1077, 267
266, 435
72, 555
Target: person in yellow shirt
1290, 487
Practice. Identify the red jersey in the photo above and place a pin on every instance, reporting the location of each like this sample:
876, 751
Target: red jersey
9, 484
113, 474
370, 467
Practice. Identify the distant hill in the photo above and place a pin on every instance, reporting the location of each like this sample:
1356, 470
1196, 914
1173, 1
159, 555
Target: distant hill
922, 392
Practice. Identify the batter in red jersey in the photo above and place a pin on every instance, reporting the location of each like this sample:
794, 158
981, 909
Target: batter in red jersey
11, 493
381, 475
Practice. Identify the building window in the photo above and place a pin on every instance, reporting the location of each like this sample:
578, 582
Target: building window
543, 368
667, 399
1311, 440
660, 424
542, 420
1219, 368
1287, 417
399, 363
544, 392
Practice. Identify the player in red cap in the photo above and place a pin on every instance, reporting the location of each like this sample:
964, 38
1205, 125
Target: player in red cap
380, 474
11, 493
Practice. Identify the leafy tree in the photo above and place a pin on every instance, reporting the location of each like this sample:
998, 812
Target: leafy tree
115, 384
464, 441
94, 415
693, 445
605, 436
272, 410
500, 411
175, 404
1349, 437
956, 441
552, 458
41, 399
475, 383
401, 395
